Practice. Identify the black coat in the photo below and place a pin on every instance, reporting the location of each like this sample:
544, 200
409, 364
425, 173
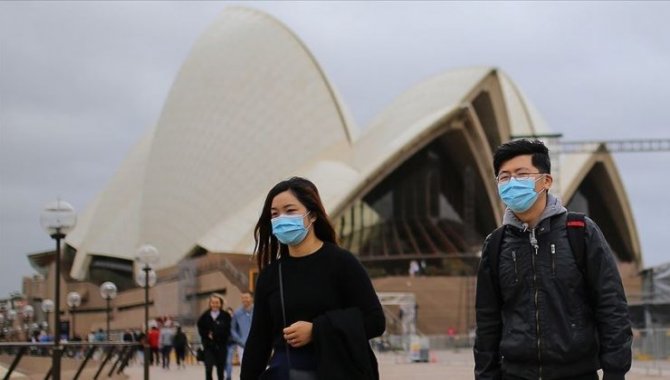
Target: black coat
547, 318
342, 348
220, 329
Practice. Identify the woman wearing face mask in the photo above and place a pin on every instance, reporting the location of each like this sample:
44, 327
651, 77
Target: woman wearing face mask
313, 300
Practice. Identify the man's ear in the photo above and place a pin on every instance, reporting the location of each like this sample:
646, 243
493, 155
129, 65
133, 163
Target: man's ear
548, 181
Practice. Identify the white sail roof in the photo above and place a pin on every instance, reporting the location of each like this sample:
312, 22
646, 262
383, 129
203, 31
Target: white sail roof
250, 107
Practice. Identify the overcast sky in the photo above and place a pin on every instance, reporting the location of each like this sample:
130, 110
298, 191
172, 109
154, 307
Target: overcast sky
80, 82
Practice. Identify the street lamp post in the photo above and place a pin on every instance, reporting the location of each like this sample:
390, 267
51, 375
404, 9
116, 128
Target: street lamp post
11, 315
73, 301
28, 312
47, 307
58, 218
4, 333
108, 292
147, 255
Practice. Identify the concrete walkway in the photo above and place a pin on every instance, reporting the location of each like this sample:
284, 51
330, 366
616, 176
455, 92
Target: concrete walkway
444, 364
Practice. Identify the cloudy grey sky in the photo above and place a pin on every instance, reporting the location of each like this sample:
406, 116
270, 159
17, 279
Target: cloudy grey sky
80, 82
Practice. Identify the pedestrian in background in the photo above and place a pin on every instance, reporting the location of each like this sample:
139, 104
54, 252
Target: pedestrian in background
241, 323
165, 343
128, 337
214, 330
180, 342
154, 345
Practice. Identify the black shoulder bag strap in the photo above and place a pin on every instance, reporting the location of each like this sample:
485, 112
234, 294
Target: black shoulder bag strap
283, 313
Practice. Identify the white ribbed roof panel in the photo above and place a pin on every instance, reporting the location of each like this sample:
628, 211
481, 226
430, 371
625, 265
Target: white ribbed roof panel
524, 118
248, 106
411, 114
110, 225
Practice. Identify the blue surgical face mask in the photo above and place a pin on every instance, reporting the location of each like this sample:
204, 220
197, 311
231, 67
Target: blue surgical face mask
519, 195
290, 229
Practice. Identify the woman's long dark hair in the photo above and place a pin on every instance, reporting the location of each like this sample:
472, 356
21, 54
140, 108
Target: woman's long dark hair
267, 247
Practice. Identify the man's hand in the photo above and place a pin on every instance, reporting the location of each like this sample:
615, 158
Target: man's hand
298, 334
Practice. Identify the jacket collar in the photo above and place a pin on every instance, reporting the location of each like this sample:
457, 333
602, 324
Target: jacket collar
554, 207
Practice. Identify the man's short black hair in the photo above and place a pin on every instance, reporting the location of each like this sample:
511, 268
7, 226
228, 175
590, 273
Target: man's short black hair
511, 149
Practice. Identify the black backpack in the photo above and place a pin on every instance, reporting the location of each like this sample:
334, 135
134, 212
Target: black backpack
576, 225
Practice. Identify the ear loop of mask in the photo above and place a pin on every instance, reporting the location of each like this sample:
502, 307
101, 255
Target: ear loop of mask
544, 175
310, 222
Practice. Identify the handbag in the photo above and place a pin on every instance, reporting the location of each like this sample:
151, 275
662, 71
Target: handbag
301, 374
293, 373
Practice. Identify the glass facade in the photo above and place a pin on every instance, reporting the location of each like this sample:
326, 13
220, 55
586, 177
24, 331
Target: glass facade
432, 209
594, 199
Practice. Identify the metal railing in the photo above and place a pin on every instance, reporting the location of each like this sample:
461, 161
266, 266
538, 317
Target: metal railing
651, 350
651, 347
116, 354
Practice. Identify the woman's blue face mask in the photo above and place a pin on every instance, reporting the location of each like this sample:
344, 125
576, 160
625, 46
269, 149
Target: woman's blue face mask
519, 194
290, 229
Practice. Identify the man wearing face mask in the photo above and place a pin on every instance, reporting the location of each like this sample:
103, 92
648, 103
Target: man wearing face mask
542, 313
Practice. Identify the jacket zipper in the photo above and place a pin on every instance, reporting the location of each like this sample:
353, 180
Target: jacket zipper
536, 247
516, 272
553, 259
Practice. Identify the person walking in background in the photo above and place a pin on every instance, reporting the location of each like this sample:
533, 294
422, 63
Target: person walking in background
550, 303
154, 345
180, 342
241, 323
413, 268
100, 336
315, 308
141, 338
165, 342
214, 330
128, 337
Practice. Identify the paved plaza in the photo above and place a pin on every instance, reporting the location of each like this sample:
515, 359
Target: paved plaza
444, 365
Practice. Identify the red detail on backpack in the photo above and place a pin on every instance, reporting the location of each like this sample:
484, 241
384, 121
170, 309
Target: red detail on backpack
576, 223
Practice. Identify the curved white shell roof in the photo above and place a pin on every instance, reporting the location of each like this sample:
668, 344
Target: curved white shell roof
248, 106
251, 107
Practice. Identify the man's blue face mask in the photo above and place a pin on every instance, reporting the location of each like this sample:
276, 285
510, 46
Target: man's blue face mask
519, 194
290, 229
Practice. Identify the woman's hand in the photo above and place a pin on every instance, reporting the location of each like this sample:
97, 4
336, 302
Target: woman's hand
298, 334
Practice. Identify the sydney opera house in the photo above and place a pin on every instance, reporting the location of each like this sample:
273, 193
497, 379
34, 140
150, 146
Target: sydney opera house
251, 106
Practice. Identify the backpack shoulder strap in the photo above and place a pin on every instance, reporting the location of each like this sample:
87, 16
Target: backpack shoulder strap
576, 226
493, 250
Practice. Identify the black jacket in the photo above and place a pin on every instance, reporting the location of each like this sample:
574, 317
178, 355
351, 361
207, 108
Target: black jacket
544, 318
179, 340
219, 327
342, 348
